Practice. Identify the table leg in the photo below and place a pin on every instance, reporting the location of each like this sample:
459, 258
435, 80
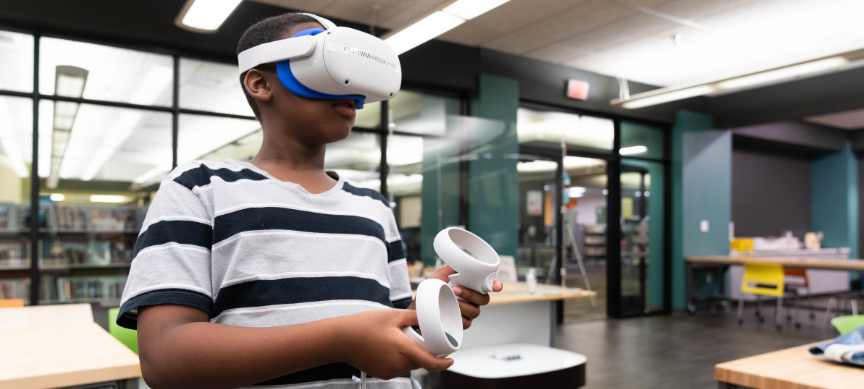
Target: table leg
691, 307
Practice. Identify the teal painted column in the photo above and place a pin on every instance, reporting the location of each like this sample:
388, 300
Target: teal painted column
834, 197
493, 181
701, 191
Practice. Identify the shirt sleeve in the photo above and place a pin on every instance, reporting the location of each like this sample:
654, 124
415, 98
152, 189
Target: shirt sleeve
171, 259
397, 266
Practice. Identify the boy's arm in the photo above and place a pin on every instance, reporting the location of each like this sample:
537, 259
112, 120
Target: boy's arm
180, 348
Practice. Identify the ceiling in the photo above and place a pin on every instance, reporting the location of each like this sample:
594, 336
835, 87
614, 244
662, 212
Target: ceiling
660, 42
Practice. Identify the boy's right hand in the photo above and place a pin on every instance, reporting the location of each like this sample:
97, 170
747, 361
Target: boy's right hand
374, 342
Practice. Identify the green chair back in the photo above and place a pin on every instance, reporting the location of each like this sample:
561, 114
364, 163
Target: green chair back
847, 324
124, 335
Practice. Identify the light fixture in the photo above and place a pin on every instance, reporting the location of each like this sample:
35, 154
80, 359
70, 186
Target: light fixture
633, 150
57, 197
126, 121
470, 9
576, 191
205, 15
784, 73
111, 199
439, 22
69, 81
665, 95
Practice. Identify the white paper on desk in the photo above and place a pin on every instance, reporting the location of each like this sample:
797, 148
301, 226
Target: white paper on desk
843, 352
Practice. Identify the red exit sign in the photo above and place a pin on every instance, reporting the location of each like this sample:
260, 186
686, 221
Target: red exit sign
578, 89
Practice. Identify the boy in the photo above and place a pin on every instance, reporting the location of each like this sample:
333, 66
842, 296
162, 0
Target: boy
274, 271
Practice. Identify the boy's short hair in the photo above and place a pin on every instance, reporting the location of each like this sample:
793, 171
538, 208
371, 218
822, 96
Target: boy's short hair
267, 30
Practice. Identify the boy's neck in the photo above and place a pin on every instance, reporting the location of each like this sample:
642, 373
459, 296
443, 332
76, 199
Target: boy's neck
288, 159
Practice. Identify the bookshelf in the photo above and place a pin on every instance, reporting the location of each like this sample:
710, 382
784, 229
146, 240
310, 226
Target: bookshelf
84, 251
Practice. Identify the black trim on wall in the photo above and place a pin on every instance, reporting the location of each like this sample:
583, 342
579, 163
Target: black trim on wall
34, 183
613, 228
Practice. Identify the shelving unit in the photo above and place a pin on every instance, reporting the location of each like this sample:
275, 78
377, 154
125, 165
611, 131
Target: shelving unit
594, 242
84, 252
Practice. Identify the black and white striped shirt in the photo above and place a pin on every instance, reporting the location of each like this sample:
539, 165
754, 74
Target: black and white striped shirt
251, 250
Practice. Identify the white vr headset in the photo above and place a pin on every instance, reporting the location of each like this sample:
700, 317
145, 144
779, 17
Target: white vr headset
334, 63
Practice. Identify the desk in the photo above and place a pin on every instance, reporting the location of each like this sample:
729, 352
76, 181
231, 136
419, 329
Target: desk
726, 261
792, 368
518, 316
60, 345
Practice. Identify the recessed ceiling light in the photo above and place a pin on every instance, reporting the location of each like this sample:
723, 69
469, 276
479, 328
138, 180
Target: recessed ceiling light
205, 15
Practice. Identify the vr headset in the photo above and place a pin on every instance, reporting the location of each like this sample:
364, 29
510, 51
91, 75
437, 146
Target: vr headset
334, 63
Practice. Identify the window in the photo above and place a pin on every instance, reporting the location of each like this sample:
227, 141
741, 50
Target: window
213, 87
550, 127
422, 114
79, 69
16, 55
93, 143
640, 141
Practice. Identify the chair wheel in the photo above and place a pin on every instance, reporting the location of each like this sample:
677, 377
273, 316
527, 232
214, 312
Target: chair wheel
740, 322
761, 319
779, 328
797, 326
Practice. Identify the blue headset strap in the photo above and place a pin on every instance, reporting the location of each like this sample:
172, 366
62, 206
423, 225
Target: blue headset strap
290, 82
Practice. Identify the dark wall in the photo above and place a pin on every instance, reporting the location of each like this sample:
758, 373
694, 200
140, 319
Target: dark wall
770, 192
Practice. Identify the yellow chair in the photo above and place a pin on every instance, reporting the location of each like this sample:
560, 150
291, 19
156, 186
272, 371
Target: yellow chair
11, 303
762, 280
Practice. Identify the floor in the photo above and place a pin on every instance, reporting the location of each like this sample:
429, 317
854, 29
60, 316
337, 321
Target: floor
674, 351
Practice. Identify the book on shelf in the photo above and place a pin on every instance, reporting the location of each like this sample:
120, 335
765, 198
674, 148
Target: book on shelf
68, 252
94, 218
15, 289
12, 217
83, 288
14, 254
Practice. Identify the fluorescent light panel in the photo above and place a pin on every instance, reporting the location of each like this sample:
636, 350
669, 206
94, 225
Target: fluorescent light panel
470, 9
784, 73
756, 79
110, 199
665, 97
206, 15
633, 150
439, 22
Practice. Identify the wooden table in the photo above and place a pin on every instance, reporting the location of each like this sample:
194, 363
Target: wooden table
53, 346
726, 261
792, 368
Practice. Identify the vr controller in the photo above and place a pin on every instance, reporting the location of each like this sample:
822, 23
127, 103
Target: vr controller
438, 314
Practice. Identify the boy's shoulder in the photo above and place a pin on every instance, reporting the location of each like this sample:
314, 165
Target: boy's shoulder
365, 192
199, 173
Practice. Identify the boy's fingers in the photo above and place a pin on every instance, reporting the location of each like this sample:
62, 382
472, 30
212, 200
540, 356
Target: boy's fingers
443, 273
469, 311
471, 296
497, 286
466, 323
422, 358
408, 318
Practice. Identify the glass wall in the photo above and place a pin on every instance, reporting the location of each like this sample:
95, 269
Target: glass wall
15, 159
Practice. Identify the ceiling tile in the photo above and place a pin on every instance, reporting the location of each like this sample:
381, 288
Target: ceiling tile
585, 16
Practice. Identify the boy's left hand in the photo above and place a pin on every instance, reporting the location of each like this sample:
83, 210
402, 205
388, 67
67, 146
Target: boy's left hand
469, 300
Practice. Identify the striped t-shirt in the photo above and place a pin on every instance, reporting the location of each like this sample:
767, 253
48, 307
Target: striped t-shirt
251, 250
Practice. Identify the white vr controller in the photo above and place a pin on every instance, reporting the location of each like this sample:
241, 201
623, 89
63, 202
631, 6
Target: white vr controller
476, 264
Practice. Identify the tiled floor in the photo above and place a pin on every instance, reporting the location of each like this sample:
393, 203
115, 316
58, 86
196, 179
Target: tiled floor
675, 351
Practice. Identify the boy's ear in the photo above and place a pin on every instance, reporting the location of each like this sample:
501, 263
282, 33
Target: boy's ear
257, 86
